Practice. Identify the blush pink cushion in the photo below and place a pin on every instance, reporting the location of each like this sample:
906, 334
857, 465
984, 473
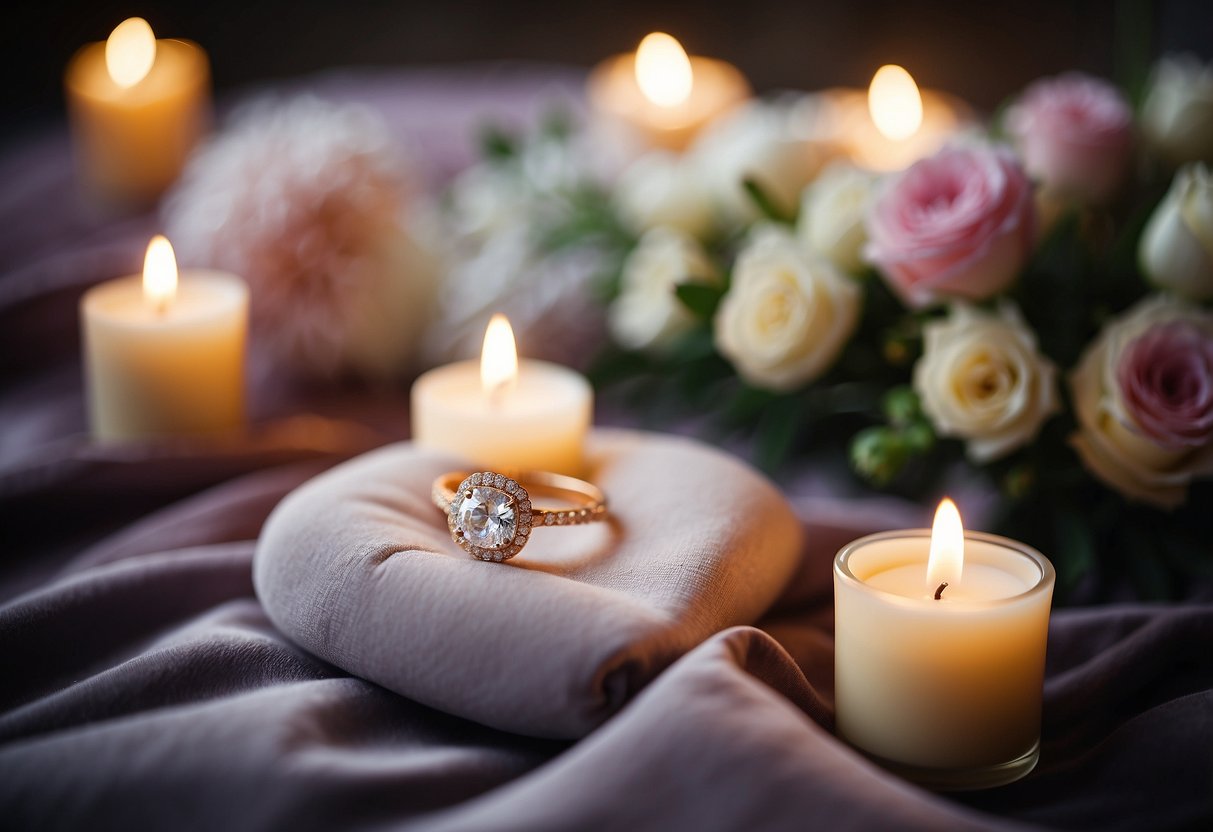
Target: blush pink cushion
358, 567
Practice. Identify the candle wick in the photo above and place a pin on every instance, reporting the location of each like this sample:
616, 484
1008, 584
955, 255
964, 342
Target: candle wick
939, 592
498, 393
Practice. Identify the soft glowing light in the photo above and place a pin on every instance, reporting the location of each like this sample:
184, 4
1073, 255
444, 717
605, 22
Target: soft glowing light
498, 358
130, 52
663, 70
895, 103
946, 561
160, 273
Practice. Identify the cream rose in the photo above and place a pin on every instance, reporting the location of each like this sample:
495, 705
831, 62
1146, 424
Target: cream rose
832, 211
1143, 395
647, 314
1178, 112
1177, 245
982, 379
787, 315
662, 189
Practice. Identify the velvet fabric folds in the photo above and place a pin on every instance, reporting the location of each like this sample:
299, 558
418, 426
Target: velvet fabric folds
143, 684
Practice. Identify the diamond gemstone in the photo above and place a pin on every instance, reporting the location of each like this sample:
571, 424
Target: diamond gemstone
487, 517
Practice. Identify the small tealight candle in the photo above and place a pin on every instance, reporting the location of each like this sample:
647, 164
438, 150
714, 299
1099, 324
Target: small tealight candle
503, 414
661, 97
165, 356
138, 106
894, 124
939, 652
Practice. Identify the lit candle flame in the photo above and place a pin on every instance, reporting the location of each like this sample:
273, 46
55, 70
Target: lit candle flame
663, 70
160, 274
946, 560
130, 52
498, 359
895, 103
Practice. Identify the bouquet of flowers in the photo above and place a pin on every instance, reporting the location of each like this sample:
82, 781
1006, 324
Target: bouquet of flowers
1025, 309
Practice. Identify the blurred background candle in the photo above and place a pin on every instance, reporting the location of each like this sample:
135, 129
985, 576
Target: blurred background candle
939, 652
661, 97
137, 106
165, 356
504, 414
894, 124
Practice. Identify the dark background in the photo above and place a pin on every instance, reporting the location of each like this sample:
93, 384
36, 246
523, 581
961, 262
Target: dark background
980, 51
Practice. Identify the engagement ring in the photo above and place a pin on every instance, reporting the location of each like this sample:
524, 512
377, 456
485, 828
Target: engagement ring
491, 516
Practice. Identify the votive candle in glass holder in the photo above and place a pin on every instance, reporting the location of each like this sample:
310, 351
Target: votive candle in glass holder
939, 660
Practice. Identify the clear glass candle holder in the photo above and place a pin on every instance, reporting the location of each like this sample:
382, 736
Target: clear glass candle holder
945, 692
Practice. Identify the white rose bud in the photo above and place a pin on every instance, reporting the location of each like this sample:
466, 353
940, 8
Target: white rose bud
832, 210
982, 379
662, 189
1178, 110
1176, 250
648, 314
787, 315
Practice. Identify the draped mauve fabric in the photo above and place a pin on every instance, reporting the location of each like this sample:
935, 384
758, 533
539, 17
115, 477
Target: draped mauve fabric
143, 685
359, 568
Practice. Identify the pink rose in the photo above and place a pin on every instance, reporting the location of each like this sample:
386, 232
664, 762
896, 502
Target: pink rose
1143, 395
1166, 379
1075, 133
957, 225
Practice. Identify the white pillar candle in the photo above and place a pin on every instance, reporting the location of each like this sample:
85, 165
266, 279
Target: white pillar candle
502, 414
138, 106
893, 123
946, 690
162, 356
661, 97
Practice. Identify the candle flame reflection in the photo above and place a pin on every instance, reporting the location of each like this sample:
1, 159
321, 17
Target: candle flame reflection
895, 103
663, 70
498, 358
946, 560
160, 273
130, 52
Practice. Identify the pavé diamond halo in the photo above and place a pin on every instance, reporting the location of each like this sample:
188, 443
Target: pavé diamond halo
490, 515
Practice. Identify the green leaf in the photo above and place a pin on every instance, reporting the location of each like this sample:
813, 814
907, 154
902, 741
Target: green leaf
693, 346
747, 405
615, 365
701, 298
765, 203
778, 429
1076, 548
496, 145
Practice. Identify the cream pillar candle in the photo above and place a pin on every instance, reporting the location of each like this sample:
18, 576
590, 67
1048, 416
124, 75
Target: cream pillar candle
939, 653
138, 106
164, 357
503, 414
661, 97
893, 124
